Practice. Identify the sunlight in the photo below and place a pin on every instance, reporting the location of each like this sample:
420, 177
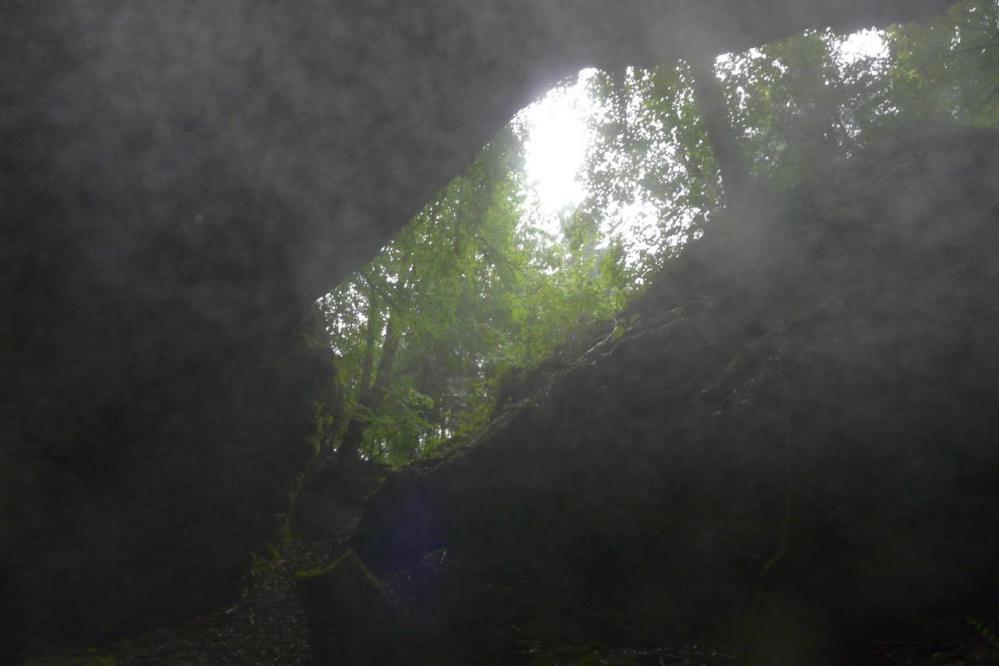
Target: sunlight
868, 43
557, 135
555, 145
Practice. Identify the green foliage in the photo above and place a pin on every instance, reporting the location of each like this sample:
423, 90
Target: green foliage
803, 106
948, 70
792, 101
650, 152
464, 295
326, 426
264, 565
475, 293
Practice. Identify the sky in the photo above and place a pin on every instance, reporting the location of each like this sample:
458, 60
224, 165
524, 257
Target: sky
557, 136
556, 143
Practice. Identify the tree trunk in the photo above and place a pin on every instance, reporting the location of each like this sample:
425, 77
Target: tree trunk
371, 334
372, 395
710, 99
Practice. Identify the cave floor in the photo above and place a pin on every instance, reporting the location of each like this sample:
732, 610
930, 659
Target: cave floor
267, 625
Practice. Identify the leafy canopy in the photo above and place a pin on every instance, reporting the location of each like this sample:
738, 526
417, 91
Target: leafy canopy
477, 291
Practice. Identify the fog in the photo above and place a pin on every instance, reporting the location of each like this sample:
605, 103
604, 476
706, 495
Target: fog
180, 180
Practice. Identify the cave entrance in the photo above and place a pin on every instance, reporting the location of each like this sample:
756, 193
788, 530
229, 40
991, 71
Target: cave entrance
527, 259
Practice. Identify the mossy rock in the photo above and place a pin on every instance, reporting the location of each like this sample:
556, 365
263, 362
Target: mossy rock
351, 618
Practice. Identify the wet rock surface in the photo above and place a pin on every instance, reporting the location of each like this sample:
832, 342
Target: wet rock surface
179, 181
791, 449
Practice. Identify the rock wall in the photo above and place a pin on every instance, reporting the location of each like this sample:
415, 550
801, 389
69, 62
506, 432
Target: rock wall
178, 181
791, 446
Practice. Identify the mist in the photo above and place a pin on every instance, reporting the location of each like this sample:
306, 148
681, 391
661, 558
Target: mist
783, 431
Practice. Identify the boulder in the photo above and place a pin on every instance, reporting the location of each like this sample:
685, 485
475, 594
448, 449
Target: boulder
791, 447
352, 620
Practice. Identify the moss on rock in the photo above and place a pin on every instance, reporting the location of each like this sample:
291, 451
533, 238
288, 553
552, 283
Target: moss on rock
351, 618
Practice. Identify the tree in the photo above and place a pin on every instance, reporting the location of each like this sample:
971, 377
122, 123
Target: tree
426, 333
947, 70
472, 293
714, 115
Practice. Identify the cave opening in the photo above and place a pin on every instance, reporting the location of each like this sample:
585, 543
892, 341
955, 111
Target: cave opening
692, 362
530, 256
653, 329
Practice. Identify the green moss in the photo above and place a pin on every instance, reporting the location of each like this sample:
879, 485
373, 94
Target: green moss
321, 569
